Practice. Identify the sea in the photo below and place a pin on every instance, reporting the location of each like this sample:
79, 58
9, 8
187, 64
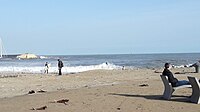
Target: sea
81, 63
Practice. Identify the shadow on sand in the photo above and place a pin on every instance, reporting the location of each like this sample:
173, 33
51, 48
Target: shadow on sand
183, 72
176, 98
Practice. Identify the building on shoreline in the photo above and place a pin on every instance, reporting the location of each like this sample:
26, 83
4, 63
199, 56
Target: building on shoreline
27, 56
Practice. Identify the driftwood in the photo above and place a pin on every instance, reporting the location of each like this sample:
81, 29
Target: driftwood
40, 91
31, 92
40, 108
64, 101
9, 76
143, 85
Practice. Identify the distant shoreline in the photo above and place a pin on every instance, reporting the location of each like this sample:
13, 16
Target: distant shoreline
104, 54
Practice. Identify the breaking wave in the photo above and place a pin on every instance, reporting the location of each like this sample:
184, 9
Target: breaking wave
66, 69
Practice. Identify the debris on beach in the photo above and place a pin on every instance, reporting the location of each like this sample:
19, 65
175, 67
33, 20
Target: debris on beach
179, 73
41, 91
8, 76
157, 71
40, 108
31, 92
64, 101
143, 85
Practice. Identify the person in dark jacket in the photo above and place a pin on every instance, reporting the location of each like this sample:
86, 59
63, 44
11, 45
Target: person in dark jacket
174, 81
60, 65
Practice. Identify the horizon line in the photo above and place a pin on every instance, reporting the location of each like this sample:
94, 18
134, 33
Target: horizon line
112, 53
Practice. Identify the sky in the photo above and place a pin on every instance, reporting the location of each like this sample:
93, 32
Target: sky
81, 27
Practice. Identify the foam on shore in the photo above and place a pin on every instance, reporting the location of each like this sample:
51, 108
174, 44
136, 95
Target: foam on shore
66, 69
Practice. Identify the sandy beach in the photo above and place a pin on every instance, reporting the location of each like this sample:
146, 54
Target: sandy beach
136, 90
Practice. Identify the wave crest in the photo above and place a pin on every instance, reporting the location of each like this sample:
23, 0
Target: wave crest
66, 69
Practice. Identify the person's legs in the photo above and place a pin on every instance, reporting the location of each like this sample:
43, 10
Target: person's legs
182, 82
60, 73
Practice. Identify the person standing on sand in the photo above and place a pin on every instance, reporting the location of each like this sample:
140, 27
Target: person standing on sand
46, 70
174, 81
60, 65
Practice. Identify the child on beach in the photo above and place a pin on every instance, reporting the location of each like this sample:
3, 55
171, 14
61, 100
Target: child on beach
46, 70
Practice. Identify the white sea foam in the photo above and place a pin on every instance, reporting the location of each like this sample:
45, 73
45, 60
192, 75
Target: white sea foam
66, 69
182, 66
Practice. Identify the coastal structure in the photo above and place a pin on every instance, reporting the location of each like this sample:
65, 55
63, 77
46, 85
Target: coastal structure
27, 56
2, 51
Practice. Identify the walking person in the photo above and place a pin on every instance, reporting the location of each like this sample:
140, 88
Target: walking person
46, 70
60, 65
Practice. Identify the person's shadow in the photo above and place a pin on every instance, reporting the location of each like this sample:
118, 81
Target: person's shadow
177, 98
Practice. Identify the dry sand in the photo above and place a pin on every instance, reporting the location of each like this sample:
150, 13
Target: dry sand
95, 91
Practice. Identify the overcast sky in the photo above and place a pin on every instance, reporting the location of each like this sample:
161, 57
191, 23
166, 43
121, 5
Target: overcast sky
73, 27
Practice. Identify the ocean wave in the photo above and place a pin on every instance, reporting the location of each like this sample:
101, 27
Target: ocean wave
67, 69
